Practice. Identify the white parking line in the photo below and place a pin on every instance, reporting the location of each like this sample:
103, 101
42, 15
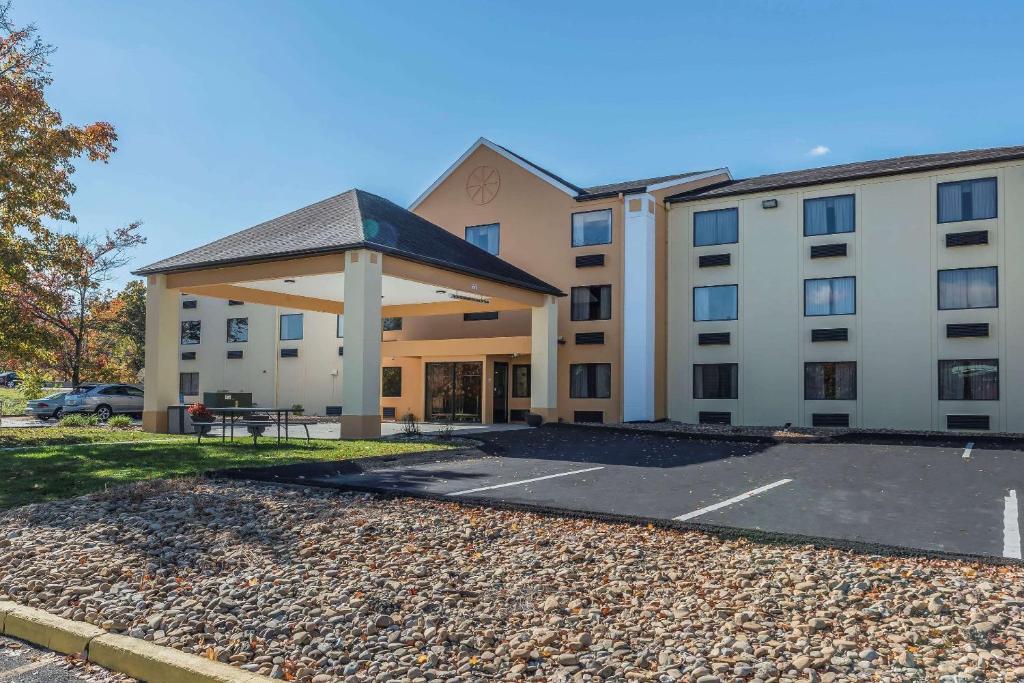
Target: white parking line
1011, 527
525, 481
967, 450
735, 499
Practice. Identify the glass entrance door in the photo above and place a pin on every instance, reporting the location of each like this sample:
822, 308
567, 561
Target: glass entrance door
454, 392
499, 401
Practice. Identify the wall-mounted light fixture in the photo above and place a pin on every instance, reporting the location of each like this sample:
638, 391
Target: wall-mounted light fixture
770, 204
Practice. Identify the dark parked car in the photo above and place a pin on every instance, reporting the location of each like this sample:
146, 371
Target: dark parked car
9, 379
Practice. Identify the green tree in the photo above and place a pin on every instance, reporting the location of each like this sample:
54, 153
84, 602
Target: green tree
38, 152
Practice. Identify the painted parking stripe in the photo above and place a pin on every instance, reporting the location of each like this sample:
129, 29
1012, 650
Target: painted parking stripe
735, 499
11, 674
1011, 527
967, 450
525, 481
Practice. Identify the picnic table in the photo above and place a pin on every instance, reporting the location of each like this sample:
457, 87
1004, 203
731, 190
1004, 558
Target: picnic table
245, 417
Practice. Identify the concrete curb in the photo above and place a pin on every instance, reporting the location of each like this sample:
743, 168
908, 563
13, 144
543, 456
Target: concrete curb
136, 658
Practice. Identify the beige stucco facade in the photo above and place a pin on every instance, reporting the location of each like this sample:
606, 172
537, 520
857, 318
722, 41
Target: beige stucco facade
897, 335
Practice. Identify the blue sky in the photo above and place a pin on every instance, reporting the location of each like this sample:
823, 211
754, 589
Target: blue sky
230, 113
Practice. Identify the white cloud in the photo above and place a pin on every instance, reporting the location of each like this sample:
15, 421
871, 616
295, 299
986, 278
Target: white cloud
819, 151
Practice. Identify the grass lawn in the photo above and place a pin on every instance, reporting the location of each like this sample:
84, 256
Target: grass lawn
52, 462
11, 402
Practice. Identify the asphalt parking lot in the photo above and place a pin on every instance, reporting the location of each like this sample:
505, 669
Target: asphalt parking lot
926, 497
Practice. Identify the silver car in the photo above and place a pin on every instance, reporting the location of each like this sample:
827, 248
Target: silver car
104, 400
47, 407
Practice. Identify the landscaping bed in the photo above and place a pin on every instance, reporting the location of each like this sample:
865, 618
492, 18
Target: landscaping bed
321, 585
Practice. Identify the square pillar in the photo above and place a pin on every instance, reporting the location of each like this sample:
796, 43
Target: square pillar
360, 376
544, 360
638, 380
162, 338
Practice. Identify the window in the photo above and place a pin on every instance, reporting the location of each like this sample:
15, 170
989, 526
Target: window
238, 330
234, 355
391, 324
135, 391
487, 237
715, 303
967, 200
486, 315
719, 380
590, 380
233, 302
291, 326
391, 382
592, 227
341, 327
716, 227
968, 288
190, 331
188, 303
592, 303
188, 383
830, 381
829, 215
969, 380
830, 296
520, 381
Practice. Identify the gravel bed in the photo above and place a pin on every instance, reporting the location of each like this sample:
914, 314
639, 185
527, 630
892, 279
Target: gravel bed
318, 585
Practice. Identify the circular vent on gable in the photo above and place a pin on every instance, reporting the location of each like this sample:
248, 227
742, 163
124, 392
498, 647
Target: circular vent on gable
482, 184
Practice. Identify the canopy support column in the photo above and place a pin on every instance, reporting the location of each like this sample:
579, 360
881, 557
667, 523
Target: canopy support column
162, 338
544, 360
360, 374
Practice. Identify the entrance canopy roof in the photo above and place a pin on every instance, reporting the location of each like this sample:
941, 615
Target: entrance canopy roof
349, 221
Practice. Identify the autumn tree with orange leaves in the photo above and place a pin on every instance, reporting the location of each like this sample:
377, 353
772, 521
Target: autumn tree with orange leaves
38, 152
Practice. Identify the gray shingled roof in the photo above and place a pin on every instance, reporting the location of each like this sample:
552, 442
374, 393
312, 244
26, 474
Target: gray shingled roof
598, 191
632, 185
854, 171
351, 220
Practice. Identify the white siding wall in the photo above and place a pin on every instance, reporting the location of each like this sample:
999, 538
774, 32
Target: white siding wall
272, 380
897, 335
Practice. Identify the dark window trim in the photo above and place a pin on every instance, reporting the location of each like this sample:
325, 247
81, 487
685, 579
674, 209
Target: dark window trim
227, 324
856, 383
190, 304
938, 302
611, 303
611, 228
820, 279
280, 327
397, 328
235, 302
938, 377
529, 380
478, 316
830, 196
693, 228
736, 388
693, 304
958, 182
465, 234
595, 365
391, 367
181, 333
